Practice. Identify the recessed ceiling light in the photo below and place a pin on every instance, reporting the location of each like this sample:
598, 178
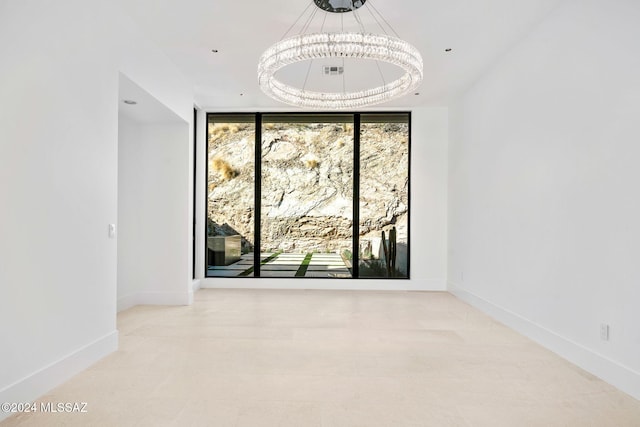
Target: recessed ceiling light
448, 49
214, 50
129, 102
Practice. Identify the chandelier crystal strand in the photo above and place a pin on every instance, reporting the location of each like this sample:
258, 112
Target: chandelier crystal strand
305, 47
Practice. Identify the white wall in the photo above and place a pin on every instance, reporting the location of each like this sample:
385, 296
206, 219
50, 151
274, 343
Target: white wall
58, 182
154, 265
428, 215
543, 214
429, 193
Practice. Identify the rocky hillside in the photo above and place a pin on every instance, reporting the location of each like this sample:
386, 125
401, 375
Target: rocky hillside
307, 173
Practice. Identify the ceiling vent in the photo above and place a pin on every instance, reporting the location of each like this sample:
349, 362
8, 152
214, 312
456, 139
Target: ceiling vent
333, 70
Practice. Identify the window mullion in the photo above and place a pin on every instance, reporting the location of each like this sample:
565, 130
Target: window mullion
257, 216
355, 229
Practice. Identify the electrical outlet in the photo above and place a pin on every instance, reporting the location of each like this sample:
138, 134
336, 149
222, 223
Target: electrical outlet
604, 332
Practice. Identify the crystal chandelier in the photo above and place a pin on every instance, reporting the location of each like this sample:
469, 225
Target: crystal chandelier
340, 45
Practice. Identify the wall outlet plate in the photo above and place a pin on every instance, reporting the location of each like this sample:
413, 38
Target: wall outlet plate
604, 332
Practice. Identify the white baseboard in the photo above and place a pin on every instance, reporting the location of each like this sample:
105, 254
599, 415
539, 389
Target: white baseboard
127, 302
164, 298
40, 382
616, 374
328, 284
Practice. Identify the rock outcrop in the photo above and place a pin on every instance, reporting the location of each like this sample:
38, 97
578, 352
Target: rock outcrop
307, 184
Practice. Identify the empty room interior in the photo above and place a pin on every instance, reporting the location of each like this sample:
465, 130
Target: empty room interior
303, 213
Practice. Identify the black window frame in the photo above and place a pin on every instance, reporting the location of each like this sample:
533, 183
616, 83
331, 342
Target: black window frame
194, 227
356, 189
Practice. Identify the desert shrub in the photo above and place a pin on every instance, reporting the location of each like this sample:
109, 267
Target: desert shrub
225, 170
373, 268
311, 163
340, 143
216, 130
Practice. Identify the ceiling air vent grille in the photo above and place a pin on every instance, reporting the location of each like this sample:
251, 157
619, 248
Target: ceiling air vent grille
333, 70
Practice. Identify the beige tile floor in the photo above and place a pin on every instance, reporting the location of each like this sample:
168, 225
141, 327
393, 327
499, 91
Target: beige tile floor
331, 359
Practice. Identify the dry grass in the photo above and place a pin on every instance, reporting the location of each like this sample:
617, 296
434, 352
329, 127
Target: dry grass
218, 129
223, 167
311, 163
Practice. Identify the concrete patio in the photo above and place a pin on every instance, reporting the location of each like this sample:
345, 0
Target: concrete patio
286, 265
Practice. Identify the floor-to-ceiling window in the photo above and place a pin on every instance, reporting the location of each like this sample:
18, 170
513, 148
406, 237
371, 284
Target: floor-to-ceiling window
230, 194
384, 196
281, 191
307, 194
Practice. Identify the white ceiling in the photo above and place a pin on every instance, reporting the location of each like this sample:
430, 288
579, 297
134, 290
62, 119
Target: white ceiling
477, 31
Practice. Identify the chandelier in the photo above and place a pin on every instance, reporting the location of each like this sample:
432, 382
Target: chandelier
340, 45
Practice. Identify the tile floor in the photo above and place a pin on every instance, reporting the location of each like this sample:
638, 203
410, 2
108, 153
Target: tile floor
330, 359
